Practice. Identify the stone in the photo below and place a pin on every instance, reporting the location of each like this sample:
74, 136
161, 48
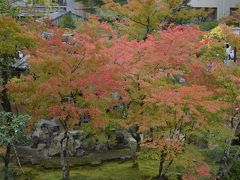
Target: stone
75, 134
21, 64
116, 96
45, 132
47, 35
101, 147
181, 80
178, 79
80, 152
41, 146
54, 148
125, 157
96, 163
47, 138
50, 123
65, 37
86, 118
121, 138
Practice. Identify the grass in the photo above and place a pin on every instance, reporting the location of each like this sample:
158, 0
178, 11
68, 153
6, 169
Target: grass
108, 171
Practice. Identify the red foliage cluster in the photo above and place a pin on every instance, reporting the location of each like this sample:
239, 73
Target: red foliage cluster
74, 76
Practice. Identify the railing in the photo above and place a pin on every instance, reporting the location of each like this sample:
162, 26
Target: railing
40, 10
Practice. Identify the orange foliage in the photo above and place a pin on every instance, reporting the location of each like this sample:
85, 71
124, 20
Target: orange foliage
203, 170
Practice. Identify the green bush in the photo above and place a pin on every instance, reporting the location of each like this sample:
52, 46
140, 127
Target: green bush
67, 22
234, 172
207, 26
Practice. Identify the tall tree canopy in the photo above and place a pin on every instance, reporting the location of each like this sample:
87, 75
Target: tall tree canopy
13, 38
140, 18
6, 7
170, 87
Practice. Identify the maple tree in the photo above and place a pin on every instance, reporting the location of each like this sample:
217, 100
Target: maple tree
160, 88
68, 80
228, 83
180, 114
225, 80
138, 19
157, 102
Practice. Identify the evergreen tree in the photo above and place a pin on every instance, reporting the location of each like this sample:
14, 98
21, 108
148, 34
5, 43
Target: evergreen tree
67, 22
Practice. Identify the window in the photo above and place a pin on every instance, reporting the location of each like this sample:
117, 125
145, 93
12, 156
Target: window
213, 13
232, 10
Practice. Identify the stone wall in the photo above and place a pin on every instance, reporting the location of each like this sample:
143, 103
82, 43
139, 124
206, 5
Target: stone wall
83, 148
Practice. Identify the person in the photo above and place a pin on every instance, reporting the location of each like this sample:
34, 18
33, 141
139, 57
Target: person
228, 49
228, 53
232, 54
21, 55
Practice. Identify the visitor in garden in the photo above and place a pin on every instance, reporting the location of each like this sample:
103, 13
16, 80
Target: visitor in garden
230, 54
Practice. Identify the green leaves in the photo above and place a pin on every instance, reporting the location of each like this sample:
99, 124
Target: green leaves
67, 21
6, 7
12, 38
12, 127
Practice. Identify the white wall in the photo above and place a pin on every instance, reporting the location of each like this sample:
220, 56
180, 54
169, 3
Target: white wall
223, 6
234, 3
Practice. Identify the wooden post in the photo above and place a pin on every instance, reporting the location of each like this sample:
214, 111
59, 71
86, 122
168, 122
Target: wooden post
235, 55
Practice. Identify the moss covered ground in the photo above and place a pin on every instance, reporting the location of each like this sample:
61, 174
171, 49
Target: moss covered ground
108, 171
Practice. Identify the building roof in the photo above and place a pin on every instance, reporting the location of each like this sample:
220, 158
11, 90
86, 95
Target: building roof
59, 16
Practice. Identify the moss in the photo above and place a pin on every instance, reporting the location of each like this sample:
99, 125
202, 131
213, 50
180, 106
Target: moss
109, 170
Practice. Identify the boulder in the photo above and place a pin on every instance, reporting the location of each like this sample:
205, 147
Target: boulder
116, 96
101, 147
86, 118
21, 63
41, 146
45, 131
75, 134
54, 148
80, 152
48, 135
178, 79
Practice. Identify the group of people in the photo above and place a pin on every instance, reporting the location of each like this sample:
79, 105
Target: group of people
230, 54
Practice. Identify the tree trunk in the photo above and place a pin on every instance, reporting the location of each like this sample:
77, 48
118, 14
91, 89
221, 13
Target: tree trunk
225, 161
228, 166
137, 137
63, 156
160, 170
6, 105
167, 168
235, 55
5, 102
6, 162
135, 155
134, 131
